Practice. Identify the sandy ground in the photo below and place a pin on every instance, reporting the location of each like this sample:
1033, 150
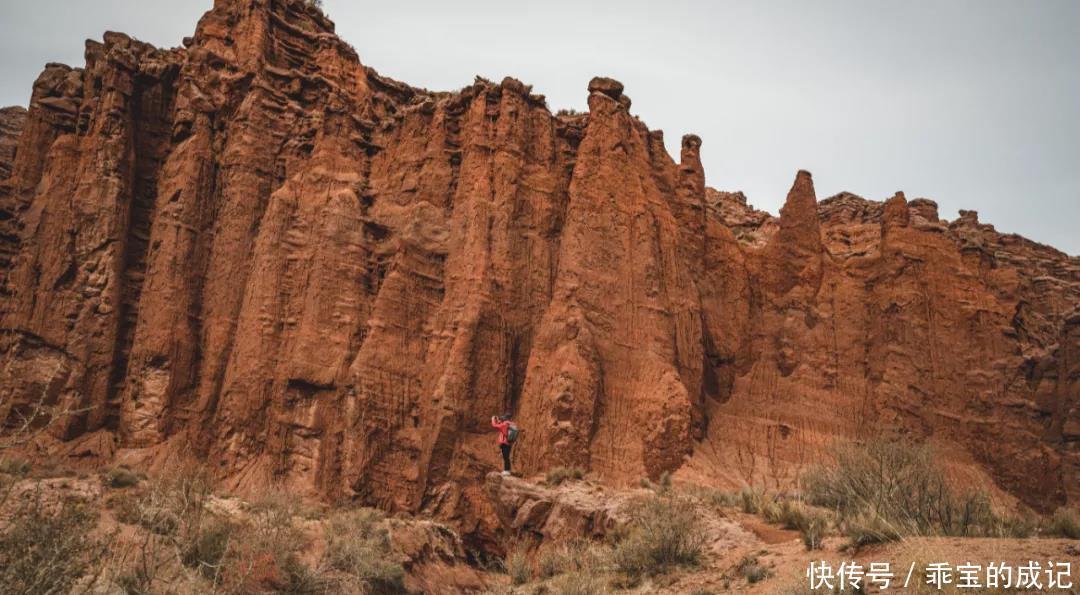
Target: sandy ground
783, 553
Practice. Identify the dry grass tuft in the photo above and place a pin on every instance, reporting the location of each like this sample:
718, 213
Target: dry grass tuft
16, 466
1065, 522
358, 551
885, 490
122, 477
517, 566
45, 550
752, 569
558, 475
665, 532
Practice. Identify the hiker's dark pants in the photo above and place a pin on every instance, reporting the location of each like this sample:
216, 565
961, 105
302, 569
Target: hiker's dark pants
505, 448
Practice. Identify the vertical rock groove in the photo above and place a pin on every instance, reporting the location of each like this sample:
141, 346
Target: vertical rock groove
259, 251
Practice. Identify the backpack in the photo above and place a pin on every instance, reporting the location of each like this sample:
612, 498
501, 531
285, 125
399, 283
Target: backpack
512, 433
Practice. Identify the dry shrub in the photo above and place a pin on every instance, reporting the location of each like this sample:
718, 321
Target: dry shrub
811, 524
358, 551
579, 583
813, 530
575, 555
260, 553
205, 550
1065, 522
167, 504
185, 544
771, 511
752, 569
517, 566
714, 497
177, 533
550, 562
122, 477
868, 528
266, 553
1020, 526
558, 475
16, 466
44, 550
751, 500
298, 578
664, 533
884, 490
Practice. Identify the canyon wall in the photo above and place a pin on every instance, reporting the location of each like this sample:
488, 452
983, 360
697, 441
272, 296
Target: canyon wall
256, 250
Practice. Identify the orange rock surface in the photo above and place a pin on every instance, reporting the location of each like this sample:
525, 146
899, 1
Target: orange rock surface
258, 251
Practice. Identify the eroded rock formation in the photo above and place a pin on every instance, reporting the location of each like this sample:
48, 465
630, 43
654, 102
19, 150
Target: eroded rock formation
12, 120
259, 251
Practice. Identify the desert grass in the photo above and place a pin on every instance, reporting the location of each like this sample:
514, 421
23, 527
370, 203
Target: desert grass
558, 475
358, 551
665, 532
517, 567
1065, 522
47, 549
751, 569
885, 490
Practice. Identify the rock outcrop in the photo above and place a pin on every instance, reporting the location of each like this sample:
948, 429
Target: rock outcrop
947, 331
528, 512
12, 120
258, 251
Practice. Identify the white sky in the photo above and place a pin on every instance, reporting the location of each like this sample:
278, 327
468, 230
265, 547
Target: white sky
973, 103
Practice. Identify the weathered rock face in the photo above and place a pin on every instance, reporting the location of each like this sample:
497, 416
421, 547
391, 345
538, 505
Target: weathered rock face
256, 250
888, 320
12, 120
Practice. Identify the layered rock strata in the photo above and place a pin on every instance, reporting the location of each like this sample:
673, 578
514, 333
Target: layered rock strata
256, 250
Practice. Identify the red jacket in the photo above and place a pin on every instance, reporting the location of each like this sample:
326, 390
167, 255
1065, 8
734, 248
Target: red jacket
504, 429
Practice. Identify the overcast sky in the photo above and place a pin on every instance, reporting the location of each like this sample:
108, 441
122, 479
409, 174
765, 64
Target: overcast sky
973, 103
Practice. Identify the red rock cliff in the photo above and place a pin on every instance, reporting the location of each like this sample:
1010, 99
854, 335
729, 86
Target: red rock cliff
257, 250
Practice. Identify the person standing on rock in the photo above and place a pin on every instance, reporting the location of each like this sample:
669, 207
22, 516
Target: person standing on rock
508, 433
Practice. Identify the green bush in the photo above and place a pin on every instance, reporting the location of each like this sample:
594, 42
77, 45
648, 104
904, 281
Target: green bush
664, 532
